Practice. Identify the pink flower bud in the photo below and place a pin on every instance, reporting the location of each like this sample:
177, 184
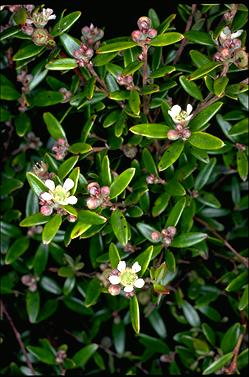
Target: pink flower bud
93, 188
115, 271
105, 191
155, 236
152, 33
171, 231
144, 23
93, 203
72, 218
225, 53
46, 210
167, 241
186, 134
61, 141
137, 36
150, 179
172, 135
114, 290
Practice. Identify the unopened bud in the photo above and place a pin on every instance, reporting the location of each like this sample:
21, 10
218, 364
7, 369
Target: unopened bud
152, 33
114, 290
225, 53
72, 218
167, 241
46, 210
171, 231
137, 36
172, 135
93, 203
93, 188
155, 236
186, 134
115, 271
105, 191
144, 23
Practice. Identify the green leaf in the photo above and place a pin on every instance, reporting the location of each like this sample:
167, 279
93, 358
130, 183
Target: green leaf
114, 256
209, 199
116, 46
204, 174
10, 185
118, 335
121, 182
32, 305
105, 172
28, 52
203, 70
22, 124
146, 231
218, 364
120, 227
80, 148
79, 228
82, 356
242, 361
70, 44
144, 259
17, 249
134, 101
44, 355
199, 37
90, 217
242, 165
54, 127
152, 130
61, 64
239, 128
67, 166
33, 220
44, 98
243, 302
176, 212
65, 23
209, 333
50, 285
237, 282
198, 58
220, 85
157, 323
204, 116
174, 188
190, 314
9, 93
161, 72
40, 259
9, 32
166, 23
100, 60
188, 239
230, 338
160, 204
132, 68
166, 39
92, 292
203, 140
171, 155
51, 228
134, 314
191, 88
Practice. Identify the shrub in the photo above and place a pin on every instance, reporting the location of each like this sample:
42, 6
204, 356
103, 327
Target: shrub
124, 188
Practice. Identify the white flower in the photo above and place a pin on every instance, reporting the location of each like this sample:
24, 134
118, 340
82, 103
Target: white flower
59, 194
127, 277
180, 116
227, 34
40, 19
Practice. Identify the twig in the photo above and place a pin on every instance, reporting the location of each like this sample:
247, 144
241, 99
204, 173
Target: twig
94, 74
233, 366
18, 337
242, 259
184, 41
145, 77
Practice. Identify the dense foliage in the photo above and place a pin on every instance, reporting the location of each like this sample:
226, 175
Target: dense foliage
124, 193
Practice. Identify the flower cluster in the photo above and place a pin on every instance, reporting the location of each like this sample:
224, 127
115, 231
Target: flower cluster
229, 48
127, 81
99, 196
126, 278
24, 78
83, 55
30, 281
57, 197
60, 148
145, 33
166, 235
152, 179
91, 36
67, 94
181, 118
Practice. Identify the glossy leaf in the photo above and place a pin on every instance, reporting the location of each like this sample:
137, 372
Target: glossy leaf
176, 212
204, 116
204, 70
114, 256
199, 37
65, 23
67, 166
135, 314
188, 239
92, 292
242, 165
33, 220
144, 259
51, 228
239, 128
54, 127
121, 182
28, 51
190, 314
16, 250
61, 64
218, 364
171, 155
116, 46
120, 227
82, 356
191, 88
151, 130
204, 174
33, 305
203, 140
166, 39
220, 85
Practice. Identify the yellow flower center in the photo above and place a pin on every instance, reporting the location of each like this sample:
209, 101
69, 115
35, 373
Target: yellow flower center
128, 277
60, 195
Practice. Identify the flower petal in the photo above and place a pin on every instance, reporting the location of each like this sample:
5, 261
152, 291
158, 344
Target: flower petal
68, 184
136, 267
114, 279
189, 108
72, 200
121, 266
128, 288
139, 283
46, 196
50, 184
175, 110
237, 34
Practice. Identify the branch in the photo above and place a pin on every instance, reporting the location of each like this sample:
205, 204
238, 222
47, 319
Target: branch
184, 40
233, 366
18, 337
242, 259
